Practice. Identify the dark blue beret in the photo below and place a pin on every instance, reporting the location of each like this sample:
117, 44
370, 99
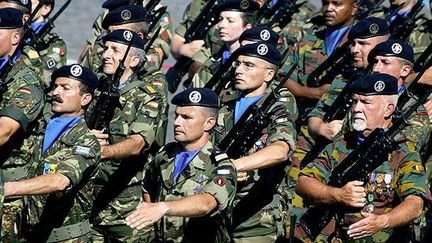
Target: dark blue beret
369, 27
124, 15
196, 97
124, 37
27, 4
10, 18
77, 72
247, 6
375, 84
113, 4
260, 33
261, 50
392, 48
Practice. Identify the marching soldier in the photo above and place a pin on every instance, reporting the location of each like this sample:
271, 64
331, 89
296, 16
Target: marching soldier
21, 106
125, 142
394, 193
60, 185
191, 184
260, 172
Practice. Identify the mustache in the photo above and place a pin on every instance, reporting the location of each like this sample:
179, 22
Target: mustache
55, 98
359, 116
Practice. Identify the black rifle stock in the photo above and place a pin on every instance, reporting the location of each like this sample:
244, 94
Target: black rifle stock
108, 98
363, 160
197, 31
336, 63
151, 5
240, 139
366, 7
283, 15
155, 19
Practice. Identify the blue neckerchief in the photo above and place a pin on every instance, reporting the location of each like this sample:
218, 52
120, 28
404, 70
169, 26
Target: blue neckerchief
124, 84
183, 159
4, 60
57, 126
333, 37
36, 27
400, 13
360, 139
225, 54
401, 89
243, 104
274, 2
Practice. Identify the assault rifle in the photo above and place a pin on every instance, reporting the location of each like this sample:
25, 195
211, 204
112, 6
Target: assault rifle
366, 7
402, 26
37, 39
283, 14
197, 31
362, 161
337, 63
151, 5
240, 139
336, 111
155, 19
108, 98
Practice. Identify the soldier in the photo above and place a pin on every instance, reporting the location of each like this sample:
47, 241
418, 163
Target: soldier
394, 192
21, 106
190, 182
317, 44
52, 49
130, 134
59, 186
261, 171
161, 45
235, 16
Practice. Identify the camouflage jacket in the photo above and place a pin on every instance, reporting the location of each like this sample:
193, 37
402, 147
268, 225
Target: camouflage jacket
22, 101
401, 175
263, 182
76, 155
138, 112
210, 171
53, 55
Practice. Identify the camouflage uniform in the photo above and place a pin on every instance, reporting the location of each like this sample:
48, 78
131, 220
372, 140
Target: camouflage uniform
258, 206
420, 37
210, 171
23, 102
76, 155
163, 41
401, 175
118, 183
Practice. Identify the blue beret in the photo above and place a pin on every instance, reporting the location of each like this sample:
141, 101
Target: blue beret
124, 15
10, 18
27, 4
260, 33
375, 84
113, 4
124, 37
392, 48
369, 27
77, 72
261, 50
196, 97
246, 6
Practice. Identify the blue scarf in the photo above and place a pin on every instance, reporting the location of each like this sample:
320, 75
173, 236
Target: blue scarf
182, 160
225, 54
57, 126
5, 60
333, 37
124, 84
243, 104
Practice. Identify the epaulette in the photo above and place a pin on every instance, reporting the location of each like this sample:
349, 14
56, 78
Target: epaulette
217, 156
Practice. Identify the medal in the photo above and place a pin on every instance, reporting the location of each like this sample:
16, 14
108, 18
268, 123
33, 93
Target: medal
380, 178
369, 208
387, 179
370, 197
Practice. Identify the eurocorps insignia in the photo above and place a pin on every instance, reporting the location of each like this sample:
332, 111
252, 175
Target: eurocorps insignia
379, 86
396, 48
127, 35
195, 97
24, 2
265, 35
76, 70
244, 4
125, 14
373, 28
262, 49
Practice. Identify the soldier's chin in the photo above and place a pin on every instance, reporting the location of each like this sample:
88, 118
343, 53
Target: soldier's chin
359, 126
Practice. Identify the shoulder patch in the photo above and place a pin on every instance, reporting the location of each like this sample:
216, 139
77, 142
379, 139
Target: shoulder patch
81, 150
32, 54
150, 89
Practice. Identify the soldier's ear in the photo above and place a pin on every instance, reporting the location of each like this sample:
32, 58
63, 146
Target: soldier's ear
405, 71
210, 122
355, 7
16, 37
86, 98
134, 61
